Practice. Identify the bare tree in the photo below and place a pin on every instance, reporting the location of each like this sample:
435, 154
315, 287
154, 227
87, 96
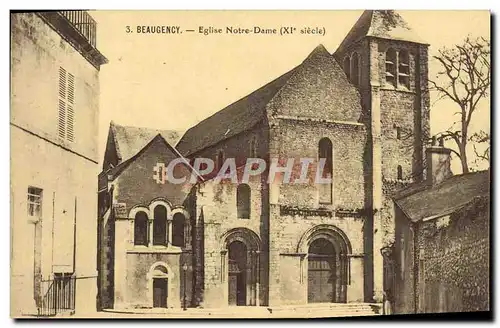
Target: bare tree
479, 138
465, 79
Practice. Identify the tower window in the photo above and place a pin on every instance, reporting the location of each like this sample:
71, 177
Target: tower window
347, 67
403, 69
390, 67
355, 69
400, 172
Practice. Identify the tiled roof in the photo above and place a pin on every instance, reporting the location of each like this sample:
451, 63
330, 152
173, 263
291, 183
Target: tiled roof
129, 140
444, 198
386, 24
233, 119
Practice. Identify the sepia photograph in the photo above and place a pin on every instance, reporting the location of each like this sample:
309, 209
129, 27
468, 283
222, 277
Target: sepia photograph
210, 164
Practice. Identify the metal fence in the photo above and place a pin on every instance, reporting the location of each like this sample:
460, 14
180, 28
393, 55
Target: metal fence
83, 23
57, 295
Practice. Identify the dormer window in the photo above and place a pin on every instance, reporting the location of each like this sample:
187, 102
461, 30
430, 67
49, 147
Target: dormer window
390, 67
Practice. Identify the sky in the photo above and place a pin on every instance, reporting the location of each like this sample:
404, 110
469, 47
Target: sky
168, 81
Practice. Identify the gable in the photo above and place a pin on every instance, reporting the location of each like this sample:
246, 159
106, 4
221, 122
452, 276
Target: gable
137, 183
124, 142
318, 89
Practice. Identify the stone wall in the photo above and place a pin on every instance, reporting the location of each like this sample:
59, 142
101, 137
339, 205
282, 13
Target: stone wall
65, 171
454, 261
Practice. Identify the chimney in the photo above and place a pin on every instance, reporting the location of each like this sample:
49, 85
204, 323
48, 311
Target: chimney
438, 162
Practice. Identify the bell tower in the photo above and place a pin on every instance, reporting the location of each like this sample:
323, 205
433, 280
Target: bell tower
388, 63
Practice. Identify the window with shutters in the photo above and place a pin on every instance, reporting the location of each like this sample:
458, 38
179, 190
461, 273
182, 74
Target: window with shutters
66, 106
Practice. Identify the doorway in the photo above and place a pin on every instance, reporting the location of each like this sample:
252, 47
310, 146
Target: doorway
321, 272
237, 279
160, 292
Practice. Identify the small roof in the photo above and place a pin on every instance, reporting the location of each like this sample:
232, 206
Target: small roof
129, 140
386, 24
419, 203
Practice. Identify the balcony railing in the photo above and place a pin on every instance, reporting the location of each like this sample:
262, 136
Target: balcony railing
84, 23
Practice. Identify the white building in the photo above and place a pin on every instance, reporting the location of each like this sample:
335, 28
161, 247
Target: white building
54, 125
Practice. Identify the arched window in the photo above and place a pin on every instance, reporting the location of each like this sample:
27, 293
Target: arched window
325, 152
178, 227
400, 172
390, 67
141, 229
160, 226
347, 67
404, 69
355, 69
243, 201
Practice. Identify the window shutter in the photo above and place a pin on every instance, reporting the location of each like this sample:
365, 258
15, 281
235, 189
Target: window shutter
62, 83
70, 110
66, 105
62, 119
61, 128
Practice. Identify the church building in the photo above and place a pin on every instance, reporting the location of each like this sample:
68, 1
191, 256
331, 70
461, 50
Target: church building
363, 109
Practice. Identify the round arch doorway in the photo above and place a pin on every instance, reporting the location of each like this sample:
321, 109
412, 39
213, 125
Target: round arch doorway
237, 276
241, 267
325, 270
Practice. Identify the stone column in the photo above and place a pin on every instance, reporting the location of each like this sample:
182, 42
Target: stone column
169, 231
150, 232
257, 282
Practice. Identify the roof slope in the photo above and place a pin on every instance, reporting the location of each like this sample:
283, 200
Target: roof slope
233, 119
312, 75
129, 140
445, 197
386, 24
